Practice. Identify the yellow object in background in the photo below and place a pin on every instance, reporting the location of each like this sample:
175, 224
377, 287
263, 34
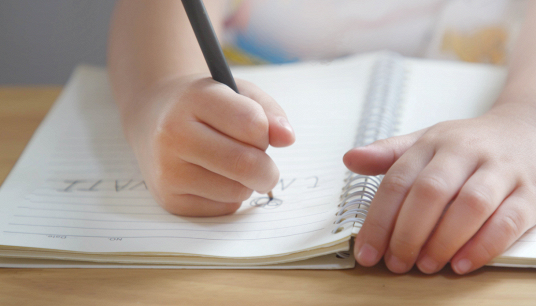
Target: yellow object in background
487, 45
237, 57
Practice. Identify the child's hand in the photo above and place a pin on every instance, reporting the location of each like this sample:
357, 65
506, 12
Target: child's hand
201, 146
485, 166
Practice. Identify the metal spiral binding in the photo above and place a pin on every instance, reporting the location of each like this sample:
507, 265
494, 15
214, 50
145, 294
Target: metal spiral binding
379, 120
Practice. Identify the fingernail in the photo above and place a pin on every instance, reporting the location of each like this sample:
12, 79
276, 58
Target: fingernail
285, 124
396, 265
462, 266
367, 255
427, 264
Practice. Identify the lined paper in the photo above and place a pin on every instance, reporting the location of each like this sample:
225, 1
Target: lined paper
77, 186
77, 190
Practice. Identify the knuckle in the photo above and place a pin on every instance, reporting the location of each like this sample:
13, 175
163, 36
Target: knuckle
165, 134
512, 225
508, 228
395, 183
430, 137
405, 246
440, 127
256, 125
431, 187
254, 169
241, 193
378, 228
487, 250
440, 249
245, 163
478, 202
171, 137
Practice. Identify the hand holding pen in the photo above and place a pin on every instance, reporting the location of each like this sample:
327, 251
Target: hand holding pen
200, 146
210, 47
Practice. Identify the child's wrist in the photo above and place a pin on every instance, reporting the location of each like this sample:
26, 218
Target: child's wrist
518, 89
520, 107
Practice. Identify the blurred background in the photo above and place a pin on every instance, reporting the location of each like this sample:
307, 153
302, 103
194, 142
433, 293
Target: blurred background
42, 41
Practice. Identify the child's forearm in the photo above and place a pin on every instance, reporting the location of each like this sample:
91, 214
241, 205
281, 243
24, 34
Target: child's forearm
521, 83
152, 41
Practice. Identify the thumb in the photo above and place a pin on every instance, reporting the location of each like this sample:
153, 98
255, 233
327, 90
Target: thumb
281, 133
377, 157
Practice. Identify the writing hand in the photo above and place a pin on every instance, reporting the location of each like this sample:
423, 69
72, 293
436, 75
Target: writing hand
201, 146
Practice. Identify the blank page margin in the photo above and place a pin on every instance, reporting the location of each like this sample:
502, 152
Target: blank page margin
438, 91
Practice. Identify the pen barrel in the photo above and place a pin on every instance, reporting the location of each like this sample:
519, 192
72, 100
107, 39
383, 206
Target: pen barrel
206, 37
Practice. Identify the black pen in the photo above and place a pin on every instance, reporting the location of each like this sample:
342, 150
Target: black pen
204, 32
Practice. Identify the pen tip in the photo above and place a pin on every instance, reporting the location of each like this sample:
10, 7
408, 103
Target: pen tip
270, 195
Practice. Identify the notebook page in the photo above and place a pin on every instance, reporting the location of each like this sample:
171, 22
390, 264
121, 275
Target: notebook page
444, 90
440, 91
77, 186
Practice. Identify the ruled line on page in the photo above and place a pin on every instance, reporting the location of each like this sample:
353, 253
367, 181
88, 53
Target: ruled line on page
167, 214
154, 205
167, 237
166, 229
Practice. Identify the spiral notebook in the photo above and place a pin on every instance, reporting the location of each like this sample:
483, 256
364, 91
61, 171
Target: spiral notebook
76, 197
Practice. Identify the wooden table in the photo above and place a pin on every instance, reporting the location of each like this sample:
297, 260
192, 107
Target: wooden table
21, 111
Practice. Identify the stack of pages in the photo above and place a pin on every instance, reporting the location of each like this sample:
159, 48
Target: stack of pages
76, 197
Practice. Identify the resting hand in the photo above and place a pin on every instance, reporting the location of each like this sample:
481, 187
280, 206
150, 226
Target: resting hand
460, 191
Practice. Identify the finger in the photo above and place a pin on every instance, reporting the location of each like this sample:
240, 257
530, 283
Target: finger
512, 219
280, 130
232, 114
186, 178
436, 185
372, 239
377, 157
228, 157
477, 200
188, 205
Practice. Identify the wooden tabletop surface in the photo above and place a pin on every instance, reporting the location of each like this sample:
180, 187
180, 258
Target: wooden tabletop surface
21, 111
